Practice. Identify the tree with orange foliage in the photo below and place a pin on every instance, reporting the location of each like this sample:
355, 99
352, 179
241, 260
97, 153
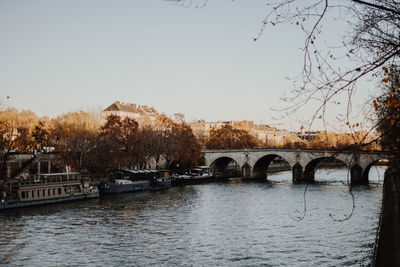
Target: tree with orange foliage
15, 134
7, 143
74, 136
166, 141
188, 149
119, 142
331, 140
293, 141
227, 137
176, 142
387, 108
40, 135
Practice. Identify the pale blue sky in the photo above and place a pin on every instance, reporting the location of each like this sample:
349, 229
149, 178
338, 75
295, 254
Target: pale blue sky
61, 56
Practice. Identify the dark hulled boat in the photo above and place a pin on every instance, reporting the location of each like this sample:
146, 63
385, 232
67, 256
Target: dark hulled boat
122, 181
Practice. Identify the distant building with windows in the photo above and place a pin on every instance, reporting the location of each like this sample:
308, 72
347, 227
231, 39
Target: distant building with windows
269, 135
306, 135
140, 113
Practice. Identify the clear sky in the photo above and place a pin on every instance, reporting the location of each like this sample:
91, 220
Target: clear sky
61, 56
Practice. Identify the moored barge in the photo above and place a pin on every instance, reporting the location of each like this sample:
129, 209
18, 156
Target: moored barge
197, 175
122, 181
46, 189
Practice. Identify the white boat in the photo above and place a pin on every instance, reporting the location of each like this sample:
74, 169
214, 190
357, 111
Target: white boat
46, 189
197, 175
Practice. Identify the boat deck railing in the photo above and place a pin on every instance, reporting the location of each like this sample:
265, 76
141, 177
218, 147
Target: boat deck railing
48, 182
53, 178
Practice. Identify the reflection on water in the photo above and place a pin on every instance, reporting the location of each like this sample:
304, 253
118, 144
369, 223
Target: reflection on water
233, 223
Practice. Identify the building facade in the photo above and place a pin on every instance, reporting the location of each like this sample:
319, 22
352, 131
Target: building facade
141, 113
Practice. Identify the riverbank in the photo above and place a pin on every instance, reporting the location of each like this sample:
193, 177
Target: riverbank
387, 251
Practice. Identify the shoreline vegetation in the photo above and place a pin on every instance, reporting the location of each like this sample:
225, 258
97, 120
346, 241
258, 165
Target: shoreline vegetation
92, 144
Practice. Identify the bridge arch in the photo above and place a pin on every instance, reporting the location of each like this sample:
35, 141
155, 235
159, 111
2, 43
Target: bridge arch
356, 174
226, 167
261, 166
313, 165
365, 174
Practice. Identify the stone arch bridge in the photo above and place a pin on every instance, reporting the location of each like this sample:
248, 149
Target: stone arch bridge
254, 163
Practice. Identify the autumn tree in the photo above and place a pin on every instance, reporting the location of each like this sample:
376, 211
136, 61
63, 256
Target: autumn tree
41, 134
75, 138
164, 127
154, 142
23, 140
146, 146
131, 149
8, 131
188, 149
15, 134
176, 142
227, 137
21, 123
387, 108
119, 142
293, 141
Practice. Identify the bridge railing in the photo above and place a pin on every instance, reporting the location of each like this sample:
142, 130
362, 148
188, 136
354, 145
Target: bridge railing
323, 151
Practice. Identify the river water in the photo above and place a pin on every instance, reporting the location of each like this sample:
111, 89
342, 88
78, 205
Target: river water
223, 224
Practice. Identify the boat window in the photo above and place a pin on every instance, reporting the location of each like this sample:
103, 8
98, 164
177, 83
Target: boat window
33, 194
54, 191
59, 191
44, 192
27, 194
38, 193
23, 194
48, 192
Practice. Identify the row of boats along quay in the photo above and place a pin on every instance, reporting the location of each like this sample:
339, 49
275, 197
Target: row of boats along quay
50, 188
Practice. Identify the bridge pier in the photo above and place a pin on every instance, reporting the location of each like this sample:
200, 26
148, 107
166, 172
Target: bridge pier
308, 175
247, 171
297, 173
358, 175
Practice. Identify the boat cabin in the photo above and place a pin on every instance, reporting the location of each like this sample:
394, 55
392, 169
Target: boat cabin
138, 175
46, 186
201, 171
